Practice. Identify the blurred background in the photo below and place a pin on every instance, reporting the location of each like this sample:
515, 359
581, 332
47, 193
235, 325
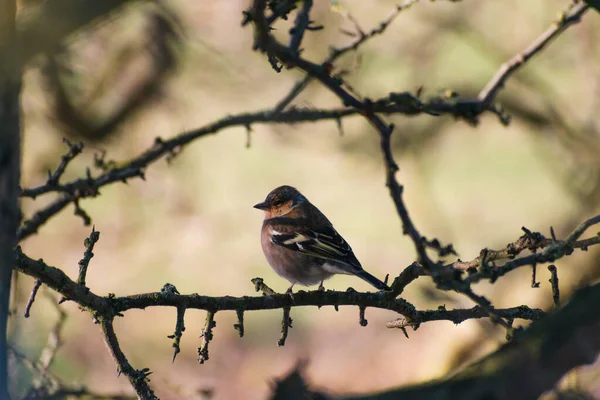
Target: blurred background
150, 70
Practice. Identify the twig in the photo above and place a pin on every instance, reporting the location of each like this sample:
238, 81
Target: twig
206, 337
87, 255
179, 329
240, 324
52, 183
554, 283
460, 315
286, 323
73, 192
41, 384
576, 234
485, 305
54, 339
569, 17
300, 26
36, 287
554, 250
530, 240
379, 30
410, 273
49, 352
361, 316
81, 213
534, 284
335, 53
137, 378
58, 390
261, 286
396, 190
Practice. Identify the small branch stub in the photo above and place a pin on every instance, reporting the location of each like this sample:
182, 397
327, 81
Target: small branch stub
179, 329
240, 324
87, 255
361, 316
206, 337
554, 282
261, 286
36, 287
286, 323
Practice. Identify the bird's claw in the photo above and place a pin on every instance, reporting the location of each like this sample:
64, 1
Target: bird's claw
290, 293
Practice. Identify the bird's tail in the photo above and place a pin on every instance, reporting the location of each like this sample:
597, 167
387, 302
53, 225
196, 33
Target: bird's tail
372, 280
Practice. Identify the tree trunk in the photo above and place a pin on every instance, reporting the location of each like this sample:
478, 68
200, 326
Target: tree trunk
10, 163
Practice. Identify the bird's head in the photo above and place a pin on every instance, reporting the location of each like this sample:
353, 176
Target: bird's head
281, 201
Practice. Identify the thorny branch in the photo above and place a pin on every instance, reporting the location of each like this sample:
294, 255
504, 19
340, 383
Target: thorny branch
105, 308
138, 378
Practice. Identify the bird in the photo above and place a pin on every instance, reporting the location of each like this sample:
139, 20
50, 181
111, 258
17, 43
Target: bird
301, 244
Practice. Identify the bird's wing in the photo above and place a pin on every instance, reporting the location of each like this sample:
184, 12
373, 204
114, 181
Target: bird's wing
324, 243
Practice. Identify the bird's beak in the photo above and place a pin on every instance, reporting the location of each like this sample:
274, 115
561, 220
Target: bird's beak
262, 206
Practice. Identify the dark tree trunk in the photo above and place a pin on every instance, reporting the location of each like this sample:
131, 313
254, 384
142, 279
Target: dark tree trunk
10, 163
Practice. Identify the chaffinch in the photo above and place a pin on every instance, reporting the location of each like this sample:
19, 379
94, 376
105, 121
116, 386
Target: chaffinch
301, 244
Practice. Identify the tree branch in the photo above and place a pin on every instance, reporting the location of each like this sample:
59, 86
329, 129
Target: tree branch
528, 366
137, 378
570, 16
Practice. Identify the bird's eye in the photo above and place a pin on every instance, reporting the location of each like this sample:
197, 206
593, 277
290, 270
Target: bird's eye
278, 203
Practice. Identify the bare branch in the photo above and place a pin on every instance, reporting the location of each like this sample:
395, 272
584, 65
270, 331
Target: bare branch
527, 367
87, 255
554, 250
336, 53
300, 26
52, 183
36, 287
569, 17
52, 345
137, 378
410, 273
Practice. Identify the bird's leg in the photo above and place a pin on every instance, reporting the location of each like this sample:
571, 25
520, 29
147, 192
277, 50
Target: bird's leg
321, 287
289, 291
